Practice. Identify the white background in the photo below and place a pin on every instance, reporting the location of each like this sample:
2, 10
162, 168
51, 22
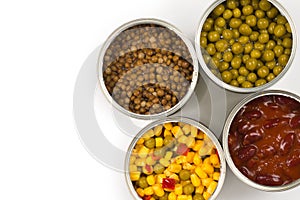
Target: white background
42, 47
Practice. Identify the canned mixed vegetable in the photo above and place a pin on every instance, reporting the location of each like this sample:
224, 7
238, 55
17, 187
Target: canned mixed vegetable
175, 161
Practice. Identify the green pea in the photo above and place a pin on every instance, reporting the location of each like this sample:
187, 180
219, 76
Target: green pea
278, 50
234, 83
270, 77
281, 19
255, 4
207, 26
237, 48
158, 168
231, 4
288, 27
259, 64
287, 51
219, 10
263, 38
188, 189
265, 5
227, 14
279, 30
255, 54
236, 33
184, 175
268, 55
272, 13
237, 13
204, 34
271, 27
271, 64
277, 70
252, 77
287, 43
262, 23
150, 143
243, 71
142, 182
245, 58
260, 82
218, 55
251, 20
241, 79
244, 40
221, 45
251, 64
211, 50
236, 62
283, 59
165, 197
203, 42
263, 72
220, 22
227, 56
226, 76
259, 46
259, 14
235, 23
198, 196
271, 44
227, 34
248, 48
247, 10
254, 36
247, 84
245, 29
235, 73
223, 66
245, 2
213, 36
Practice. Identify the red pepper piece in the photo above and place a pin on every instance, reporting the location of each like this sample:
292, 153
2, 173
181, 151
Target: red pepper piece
148, 168
182, 149
147, 197
155, 157
169, 183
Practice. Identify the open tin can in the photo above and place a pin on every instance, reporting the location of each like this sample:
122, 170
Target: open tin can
172, 156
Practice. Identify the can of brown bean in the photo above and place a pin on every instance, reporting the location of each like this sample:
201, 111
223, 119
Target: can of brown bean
147, 68
261, 140
246, 45
175, 158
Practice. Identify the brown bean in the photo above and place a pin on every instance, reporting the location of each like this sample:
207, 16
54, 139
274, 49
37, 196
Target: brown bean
254, 114
286, 144
272, 123
247, 172
270, 180
252, 136
267, 151
293, 159
295, 122
246, 153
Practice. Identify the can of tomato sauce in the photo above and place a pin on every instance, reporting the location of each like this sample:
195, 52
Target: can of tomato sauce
261, 140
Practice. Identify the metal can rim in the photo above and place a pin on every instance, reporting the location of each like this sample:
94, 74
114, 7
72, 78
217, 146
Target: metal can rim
171, 27
226, 86
226, 128
187, 121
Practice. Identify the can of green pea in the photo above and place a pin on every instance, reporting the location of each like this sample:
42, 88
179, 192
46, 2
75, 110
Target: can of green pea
261, 140
245, 45
147, 69
174, 158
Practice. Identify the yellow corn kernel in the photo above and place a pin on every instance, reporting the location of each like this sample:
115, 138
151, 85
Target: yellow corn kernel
207, 168
140, 141
198, 145
169, 155
133, 168
148, 191
202, 174
207, 161
175, 168
190, 197
197, 160
132, 159
175, 177
172, 196
182, 197
190, 142
158, 130
164, 162
134, 176
140, 162
140, 192
184, 183
186, 129
143, 152
149, 134
182, 139
206, 181
195, 180
150, 180
190, 157
206, 195
159, 142
150, 161
194, 131
178, 189
158, 190
177, 132
199, 189
188, 166
167, 132
216, 176
168, 126
160, 177
148, 170
181, 159
212, 187
200, 135
152, 198
168, 173
214, 159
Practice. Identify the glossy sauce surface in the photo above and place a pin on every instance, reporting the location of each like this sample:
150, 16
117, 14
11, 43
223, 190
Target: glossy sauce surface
264, 140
